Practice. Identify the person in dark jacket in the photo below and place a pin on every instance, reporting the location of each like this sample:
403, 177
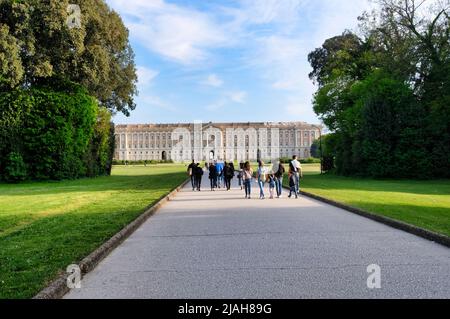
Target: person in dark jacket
190, 172
279, 174
198, 173
228, 175
213, 176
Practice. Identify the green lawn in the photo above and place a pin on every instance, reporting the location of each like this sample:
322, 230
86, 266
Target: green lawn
46, 226
425, 204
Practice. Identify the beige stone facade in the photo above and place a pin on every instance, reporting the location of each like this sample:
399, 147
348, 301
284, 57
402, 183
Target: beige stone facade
214, 141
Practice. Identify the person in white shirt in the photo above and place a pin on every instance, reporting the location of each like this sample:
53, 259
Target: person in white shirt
296, 170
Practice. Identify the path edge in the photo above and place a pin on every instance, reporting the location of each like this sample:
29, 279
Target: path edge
426, 234
58, 287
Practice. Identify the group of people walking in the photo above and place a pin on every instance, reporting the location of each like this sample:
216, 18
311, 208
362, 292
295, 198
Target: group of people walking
221, 174
274, 177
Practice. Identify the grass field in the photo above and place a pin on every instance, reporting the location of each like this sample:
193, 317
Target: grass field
44, 227
425, 204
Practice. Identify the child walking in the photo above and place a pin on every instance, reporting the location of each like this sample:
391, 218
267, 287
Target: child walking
271, 181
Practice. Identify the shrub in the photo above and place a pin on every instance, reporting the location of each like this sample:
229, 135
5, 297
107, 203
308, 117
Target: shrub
15, 168
285, 160
101, 145
328, 163
60, 134
310, 160
142, 162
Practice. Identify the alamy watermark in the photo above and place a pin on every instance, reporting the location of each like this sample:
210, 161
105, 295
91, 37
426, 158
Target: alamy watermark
74, 277
374, 279
74, 18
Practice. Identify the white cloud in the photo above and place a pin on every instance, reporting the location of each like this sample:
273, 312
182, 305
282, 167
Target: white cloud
177, 33
149, 100
238, 96
217, 105
282, 61
269, 11
269, 39
145, 76
146, 99
213, 80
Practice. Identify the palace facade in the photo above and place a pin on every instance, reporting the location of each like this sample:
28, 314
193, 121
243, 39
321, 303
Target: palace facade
215, 141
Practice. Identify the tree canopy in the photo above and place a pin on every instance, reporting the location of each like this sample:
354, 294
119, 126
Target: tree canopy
38, 46
385, 91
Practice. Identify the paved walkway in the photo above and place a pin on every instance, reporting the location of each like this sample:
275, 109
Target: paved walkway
218, 245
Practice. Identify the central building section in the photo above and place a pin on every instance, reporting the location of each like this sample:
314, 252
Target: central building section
212, 142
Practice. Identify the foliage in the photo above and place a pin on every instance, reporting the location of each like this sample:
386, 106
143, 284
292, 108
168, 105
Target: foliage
37, 44
324, 150
101, 146
51, 131
11, 70
386, 95
15, 168
145, 162
311, 160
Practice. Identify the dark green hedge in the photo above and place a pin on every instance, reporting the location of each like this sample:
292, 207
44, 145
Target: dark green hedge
311, 160
392, 134
144, 162
57, 135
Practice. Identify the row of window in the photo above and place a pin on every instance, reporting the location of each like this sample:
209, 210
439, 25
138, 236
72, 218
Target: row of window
168, 136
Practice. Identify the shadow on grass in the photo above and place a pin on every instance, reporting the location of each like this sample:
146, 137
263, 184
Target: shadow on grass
100, 184
436, 219
33, 255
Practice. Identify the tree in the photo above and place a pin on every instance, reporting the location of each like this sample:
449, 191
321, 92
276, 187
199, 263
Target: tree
11, 69
386, 94
97, 55
101, 146
340, 55
414, 37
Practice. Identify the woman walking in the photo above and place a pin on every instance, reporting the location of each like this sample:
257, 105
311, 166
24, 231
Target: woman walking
240, 176
247, 177
261, 175
279, 174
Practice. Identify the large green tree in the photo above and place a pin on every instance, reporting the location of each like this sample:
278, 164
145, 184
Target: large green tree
40, 46
413, 38
385, 93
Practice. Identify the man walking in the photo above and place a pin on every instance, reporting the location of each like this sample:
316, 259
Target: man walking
198, 174
190, 170
219, 168
296, 169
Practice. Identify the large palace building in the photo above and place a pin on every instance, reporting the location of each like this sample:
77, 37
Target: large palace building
215, 141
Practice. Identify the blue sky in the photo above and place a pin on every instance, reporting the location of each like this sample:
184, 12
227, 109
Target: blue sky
228, 61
